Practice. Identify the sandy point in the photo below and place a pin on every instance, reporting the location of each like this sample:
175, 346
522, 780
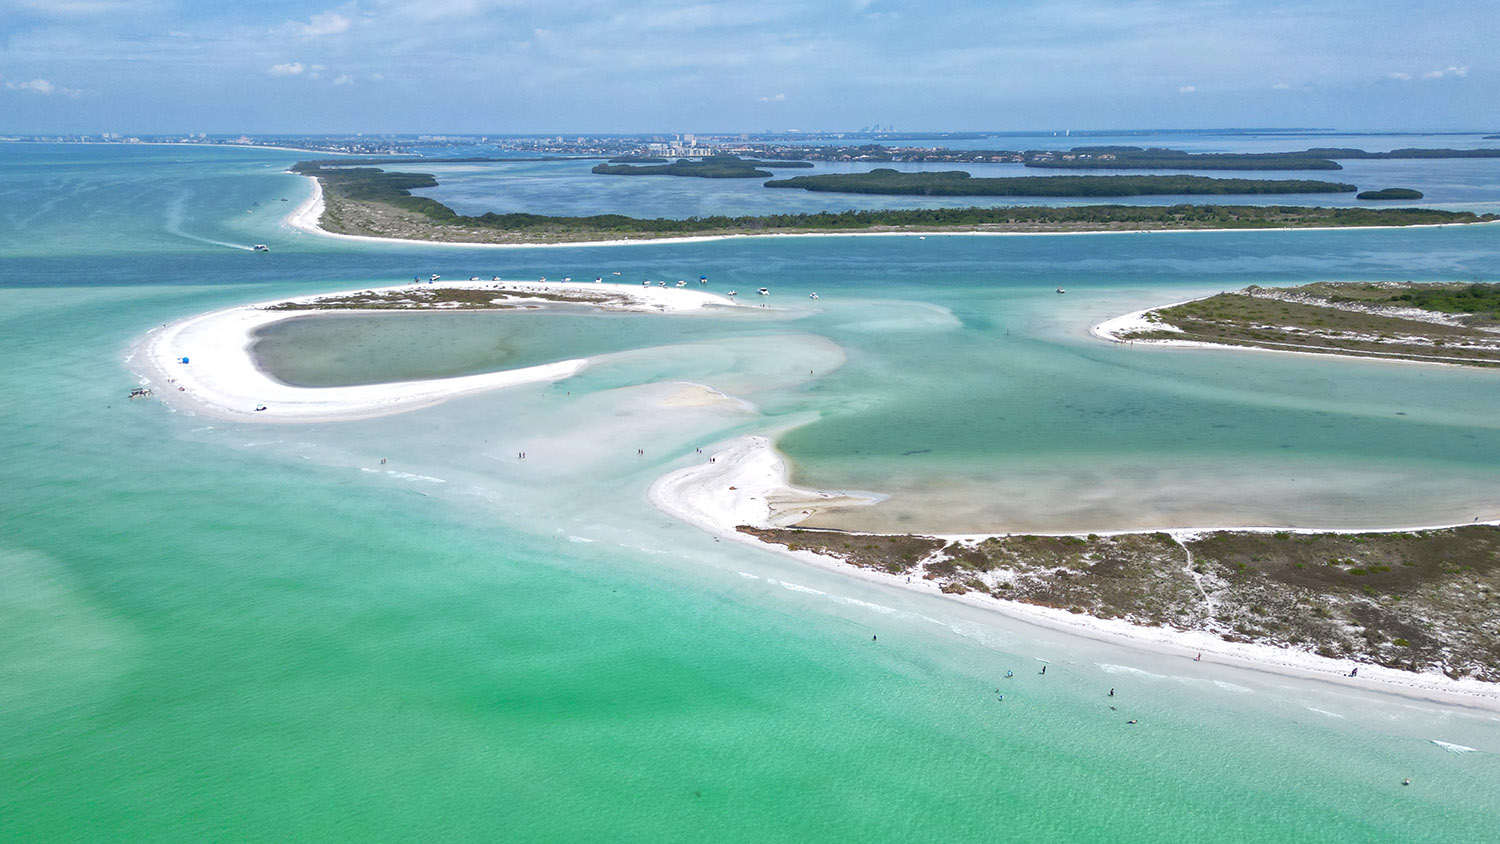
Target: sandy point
745, 483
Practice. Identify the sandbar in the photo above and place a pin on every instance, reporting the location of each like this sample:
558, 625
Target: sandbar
204, 363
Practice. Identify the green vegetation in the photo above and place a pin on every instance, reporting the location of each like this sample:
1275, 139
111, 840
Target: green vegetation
959, 183
1344, 318
499, 296
1413, 600
713, 167
1135, 158
1404, 153
1390, 193
1156, 158
370, 202
1453, 299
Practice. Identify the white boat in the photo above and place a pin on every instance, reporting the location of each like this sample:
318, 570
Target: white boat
261, 247
682, 284
1060, 290
433, 277
473, 278
732, 292
812, 295
763, 291
647, 282
599, 279
703, 279
567, 278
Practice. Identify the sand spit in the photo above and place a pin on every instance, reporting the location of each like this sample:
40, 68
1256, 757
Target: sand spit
204, 363
746, 484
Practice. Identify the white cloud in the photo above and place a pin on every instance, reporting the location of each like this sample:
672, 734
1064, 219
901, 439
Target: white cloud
344, 79
1460, 72
1451, 71
326, 23
1187, 89
1281, 86
43, 88
288, 69
774, 98
35, 86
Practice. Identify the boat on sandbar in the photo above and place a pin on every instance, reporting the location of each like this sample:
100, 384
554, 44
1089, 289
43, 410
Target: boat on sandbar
763, 291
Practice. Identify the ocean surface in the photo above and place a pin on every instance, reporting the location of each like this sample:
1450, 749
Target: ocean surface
230, 631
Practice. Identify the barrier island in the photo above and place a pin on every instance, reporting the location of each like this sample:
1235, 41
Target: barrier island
1454, 323
1159, 158
1421, 600
713, 167
884, 180
369, 202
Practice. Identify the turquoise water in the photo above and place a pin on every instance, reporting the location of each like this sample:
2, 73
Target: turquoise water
227, 631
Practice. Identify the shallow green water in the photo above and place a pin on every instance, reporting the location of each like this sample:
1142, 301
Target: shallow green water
342, 349
240, 632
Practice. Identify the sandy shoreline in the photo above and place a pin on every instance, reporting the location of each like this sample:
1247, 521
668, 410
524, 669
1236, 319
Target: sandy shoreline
307, 215
220, 377
1111, 329
746, 483
747, 479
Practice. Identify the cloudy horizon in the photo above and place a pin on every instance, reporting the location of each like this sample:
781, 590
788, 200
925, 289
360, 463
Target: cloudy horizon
519, 66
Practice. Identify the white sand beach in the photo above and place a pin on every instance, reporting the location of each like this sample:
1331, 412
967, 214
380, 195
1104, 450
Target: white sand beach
1112, 329
746, 484
220, 376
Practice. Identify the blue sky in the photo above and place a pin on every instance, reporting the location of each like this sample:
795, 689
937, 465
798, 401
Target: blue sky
142, 66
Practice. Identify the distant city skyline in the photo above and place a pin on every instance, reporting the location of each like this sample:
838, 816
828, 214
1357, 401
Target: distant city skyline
572, 66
